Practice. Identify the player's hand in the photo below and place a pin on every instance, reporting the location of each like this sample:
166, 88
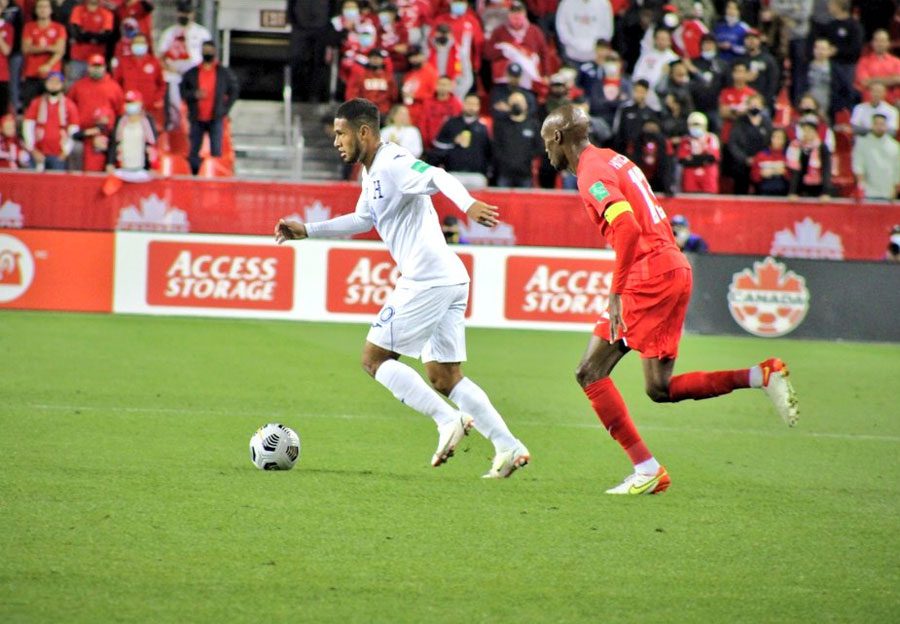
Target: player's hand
289, 230
615, 318
483, 213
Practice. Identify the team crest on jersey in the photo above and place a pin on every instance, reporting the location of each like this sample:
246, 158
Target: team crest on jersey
769, 300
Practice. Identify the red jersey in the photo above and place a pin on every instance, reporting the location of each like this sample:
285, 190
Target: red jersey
136, 9
206, 82
143, 74
52, 121
735, 99
90, 95
375, 85
95, 22
41, 38
606, 177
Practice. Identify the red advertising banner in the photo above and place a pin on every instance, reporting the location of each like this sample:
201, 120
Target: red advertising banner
208, 275
840, 229
565, 290
359, 280
41, 270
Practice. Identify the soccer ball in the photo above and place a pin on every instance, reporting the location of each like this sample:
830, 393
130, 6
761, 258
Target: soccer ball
274, 447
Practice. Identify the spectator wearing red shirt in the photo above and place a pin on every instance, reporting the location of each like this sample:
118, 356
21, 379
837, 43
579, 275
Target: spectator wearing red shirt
95, 134
414, 14
359, 35
733, 99
688, 37
142, 72
393, 36
444, 55
699, 154
12, 153
374, 82
880, 65
210, 91
419, 84
91, 29
96, 91
521, 42
441, 107
51, 121
43, 46
11, 13
139, 10
7, 37
769, 170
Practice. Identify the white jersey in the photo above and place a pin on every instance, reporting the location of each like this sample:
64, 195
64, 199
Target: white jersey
395, 200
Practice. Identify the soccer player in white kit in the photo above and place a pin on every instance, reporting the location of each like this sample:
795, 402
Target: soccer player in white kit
425, 314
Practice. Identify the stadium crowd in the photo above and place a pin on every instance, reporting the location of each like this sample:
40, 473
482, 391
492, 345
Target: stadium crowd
772, 97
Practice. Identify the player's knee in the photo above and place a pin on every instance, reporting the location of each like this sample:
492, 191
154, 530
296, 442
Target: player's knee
443, 382
586, 374
658, 393
370, 364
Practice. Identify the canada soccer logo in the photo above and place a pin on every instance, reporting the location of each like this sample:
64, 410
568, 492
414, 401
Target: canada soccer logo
770, 300
16, 268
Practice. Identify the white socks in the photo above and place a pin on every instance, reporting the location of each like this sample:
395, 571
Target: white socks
409, 388
756, 377
647, 467
474, 401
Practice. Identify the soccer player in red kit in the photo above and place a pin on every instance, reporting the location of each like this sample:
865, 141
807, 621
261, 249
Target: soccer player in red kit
648, 300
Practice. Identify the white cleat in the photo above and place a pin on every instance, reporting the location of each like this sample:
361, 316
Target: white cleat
636, 483
449, 436
508, 461
780, 391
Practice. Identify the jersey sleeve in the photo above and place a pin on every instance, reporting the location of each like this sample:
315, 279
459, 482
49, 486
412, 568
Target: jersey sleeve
416, 177
599, 189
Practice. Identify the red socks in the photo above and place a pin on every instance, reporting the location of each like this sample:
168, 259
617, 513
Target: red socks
705, 385
612, 412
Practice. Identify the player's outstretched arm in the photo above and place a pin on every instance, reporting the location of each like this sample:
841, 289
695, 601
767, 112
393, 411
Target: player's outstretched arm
483, 213
289, 230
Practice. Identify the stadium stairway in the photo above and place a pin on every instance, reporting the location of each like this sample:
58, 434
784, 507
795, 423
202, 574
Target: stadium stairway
272, 145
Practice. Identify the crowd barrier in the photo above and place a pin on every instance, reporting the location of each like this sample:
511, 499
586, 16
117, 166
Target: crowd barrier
348, 281
731, 225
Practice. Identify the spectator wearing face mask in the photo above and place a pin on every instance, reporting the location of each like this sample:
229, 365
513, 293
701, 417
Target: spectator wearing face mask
687, 241
210, 90
393, 37
749, 136
809, 161
141, 11
808, 108
769, 171
500, 92
517, 141
468, 39
607, 92
51, 122
180, 48
699, 154
91, 29
520, 42
463, 146
651, 151
358, 33
688, 36
579, 24
419, 84
730, 32
133, 146
142, 72
733, 100
374, 82
444, 55
708, 75
128, 29
669, 20
96, 91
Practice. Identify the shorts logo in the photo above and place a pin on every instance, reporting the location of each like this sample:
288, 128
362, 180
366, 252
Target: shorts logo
598, 191
16, 268
770, 300
386, 314
420, 166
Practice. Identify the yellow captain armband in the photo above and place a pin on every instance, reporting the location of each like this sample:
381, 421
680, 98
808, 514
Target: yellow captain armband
614, 211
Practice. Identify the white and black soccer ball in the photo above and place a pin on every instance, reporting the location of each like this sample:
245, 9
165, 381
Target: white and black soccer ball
274, 447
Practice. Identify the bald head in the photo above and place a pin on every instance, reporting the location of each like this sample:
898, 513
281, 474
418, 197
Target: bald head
565, 134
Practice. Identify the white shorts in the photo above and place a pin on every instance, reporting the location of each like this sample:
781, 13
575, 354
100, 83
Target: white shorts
429, 323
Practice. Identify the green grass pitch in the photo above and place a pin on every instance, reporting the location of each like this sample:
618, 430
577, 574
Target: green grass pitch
126, 492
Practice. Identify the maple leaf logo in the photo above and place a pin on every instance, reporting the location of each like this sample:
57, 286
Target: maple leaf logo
768, 300
807, 240
11, 214
154, 215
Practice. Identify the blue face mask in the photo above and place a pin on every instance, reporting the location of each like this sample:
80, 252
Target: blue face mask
351, 15
385, 19
366, 41
458, 9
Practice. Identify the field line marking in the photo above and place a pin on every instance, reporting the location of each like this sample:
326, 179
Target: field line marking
643, 427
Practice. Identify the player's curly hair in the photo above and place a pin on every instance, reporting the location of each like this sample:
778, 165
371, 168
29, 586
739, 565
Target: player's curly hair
358, 113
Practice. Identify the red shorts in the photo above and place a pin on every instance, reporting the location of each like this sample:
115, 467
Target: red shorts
654, 315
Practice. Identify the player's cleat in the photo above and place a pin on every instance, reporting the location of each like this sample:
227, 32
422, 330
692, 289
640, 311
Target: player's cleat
449, 436
507, 462
637, 483
780, 390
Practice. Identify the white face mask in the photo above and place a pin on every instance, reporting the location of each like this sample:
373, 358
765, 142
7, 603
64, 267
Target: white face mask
139, 49
708, 54
133, 108
696, 132
670, 20
611, 69
731, 20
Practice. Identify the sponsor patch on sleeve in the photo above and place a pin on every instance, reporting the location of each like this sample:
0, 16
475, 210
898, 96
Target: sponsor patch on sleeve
598, 191
420, 166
